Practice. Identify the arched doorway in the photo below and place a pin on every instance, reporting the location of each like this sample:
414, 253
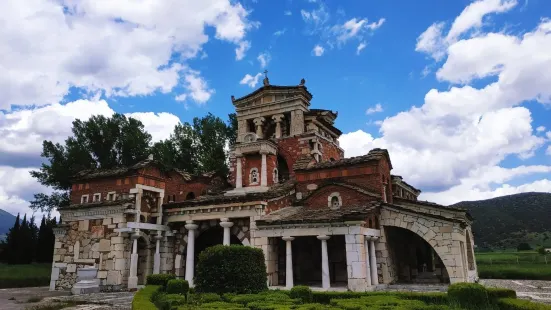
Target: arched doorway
414, 259
211, 237
282, 169
190, 196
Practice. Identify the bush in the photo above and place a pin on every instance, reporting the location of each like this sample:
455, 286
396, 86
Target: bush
303, 293
541, 250
380, 302
177, 286
468, 295
142, 299
159, 279
524, 247
169, 301
520, 304
231, 269
496, 293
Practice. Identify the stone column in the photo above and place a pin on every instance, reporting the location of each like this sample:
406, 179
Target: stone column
384, 192
139, 204
297, 122
325, 280
367, 263
133, 278
190, 255
238, 173
258, 122
157, 255
288, 262
160, 209
373, 262
277, 119
226, 224
264, 171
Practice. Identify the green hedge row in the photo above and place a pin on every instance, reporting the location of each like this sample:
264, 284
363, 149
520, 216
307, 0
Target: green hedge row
142, 299
520, 304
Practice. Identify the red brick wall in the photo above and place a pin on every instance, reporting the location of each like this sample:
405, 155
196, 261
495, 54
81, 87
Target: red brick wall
275, 205
291, 149
349, 197
271, 163
247, 163
103, 186
330, 150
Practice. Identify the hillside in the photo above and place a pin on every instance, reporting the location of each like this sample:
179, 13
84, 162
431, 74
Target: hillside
6, 222
506, 221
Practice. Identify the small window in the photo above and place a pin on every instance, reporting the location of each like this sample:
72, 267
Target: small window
84, 199
111, 196
275, 176
80, 187
331, 159
334, 201
127, 181
253, 177
96, 197
190, 196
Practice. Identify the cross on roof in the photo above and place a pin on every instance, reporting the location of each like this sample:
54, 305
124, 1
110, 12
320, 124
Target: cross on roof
266, 73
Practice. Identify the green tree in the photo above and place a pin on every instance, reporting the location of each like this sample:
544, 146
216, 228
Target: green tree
180, 150
211, 140
98, 143
232, 128
24, 242
12, 242
524, 247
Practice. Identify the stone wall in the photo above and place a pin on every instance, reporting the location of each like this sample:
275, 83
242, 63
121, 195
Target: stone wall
356, 262
444, 236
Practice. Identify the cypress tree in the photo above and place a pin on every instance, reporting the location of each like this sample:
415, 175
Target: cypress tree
31, 247
41, 241
13, 241
23, 243
49, 240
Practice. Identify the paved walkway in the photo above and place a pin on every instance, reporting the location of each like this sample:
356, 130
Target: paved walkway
539, 291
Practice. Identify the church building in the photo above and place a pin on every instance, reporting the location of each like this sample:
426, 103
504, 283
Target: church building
321, 219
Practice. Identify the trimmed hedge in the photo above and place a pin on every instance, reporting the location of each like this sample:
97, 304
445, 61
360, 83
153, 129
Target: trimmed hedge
159, 279
496, 293
142, 299
429, 298
468, 295
231, 269
177, 286
520, 304
303, 293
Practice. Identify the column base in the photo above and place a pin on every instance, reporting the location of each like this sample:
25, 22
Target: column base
156, 263
132, 282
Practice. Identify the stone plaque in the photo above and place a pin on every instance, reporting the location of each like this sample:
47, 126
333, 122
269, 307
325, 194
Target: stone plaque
97, 231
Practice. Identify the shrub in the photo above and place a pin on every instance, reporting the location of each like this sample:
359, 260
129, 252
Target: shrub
541, 250
496, 293
303, 293
207, 298
520, 304
159, 279
231, 269
523, 247
222, 305
177, 286
169, 301
381, 302
468, 295
142, 299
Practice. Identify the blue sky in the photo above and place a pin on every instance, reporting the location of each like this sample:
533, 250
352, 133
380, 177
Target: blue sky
449, 87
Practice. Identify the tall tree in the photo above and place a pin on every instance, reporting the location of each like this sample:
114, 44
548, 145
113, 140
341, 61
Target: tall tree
212, 143
23, 245
98, 143
13, 241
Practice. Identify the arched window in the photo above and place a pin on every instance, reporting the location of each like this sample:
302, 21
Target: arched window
190, 196
334, 201
253, 176
275, 176
331, 159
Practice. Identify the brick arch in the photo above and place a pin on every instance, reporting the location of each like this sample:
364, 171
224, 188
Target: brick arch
239, 231
289, 159
429, 235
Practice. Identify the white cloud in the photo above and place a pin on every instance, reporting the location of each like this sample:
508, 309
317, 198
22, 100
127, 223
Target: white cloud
540, 129
264, 59
360, 47
251, 80
548, 151
197, 87
318, 50
377, 108
159, 125
548, 134
280, 32
242, 49
130, 54
434, 43
287, 13
355, 28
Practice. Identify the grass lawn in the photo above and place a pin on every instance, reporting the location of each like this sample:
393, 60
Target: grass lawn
24, 275
514, 265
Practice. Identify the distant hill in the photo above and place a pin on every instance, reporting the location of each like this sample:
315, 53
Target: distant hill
506, 221
6, 222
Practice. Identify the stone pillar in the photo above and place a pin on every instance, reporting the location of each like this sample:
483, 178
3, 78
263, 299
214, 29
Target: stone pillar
133, 278
297, 122
384, 192
264, 171
238, 173
226, 224
190, 255
325, 280
259, 121
367, 263
160, 209
139, 204
157, 255
373, 262
289, 262
277, 119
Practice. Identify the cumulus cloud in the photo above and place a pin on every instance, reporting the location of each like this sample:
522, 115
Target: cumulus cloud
540, 129
130, 55
197, 87
377, 108
250, 80
242, 49
264, 59
318, 50
360, 47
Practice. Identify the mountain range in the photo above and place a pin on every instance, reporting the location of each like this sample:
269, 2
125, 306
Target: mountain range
6, 222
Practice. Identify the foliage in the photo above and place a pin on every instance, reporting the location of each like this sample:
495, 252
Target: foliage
520, 304
468, 295
165, 301
142, 299
159, 279
496, 293
511, 258
380, 302
303, 293
524, 247
541, 250
231, 269
31, 275
177, 286
515, 272
509, 220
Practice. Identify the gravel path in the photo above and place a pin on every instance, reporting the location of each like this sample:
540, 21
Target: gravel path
535, 290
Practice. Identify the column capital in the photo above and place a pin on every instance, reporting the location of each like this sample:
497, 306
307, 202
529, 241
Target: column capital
278, 117
225, 222
323, 237
288, 238
259, 120
372, 238
190, 225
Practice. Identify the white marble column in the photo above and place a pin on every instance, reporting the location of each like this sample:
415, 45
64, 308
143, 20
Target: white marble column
367, 263
133, 278
264, 171
238, 173
259, 121
325, 279
289, 262
373, 262
226, 224
157, 255
190, 255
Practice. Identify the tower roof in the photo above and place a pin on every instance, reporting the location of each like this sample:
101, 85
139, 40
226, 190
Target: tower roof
299, 89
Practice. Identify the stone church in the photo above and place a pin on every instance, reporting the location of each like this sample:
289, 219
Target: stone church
321, 219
